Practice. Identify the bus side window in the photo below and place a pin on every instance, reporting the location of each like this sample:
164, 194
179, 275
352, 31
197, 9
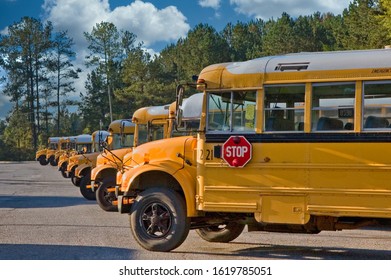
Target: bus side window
244, 111
284, 108
218, 111
377, 105
333, 106
231, 111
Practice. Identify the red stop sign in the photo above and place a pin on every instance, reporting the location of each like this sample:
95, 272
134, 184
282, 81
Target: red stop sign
237, 151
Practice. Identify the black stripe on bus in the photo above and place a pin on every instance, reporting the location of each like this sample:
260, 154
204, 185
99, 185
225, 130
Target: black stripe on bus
331, 137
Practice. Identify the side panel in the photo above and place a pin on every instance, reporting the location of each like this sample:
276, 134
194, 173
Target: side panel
350, 179
286, 182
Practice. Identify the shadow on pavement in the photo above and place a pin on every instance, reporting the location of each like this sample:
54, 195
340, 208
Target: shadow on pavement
61, 252
287, 252
20, 202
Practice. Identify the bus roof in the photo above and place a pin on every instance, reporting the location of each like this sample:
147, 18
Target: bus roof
145, 114
192, 106
315, 66
99, 136
67, 138
83, 138
118, 125
53, 139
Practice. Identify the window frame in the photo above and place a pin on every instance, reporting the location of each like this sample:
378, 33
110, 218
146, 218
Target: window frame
343, 130
303, 85
363, 119
231, 128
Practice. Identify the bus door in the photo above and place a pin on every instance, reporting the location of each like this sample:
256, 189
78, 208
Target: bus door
230, 113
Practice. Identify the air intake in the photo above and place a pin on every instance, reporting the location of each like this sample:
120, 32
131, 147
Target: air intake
297, 66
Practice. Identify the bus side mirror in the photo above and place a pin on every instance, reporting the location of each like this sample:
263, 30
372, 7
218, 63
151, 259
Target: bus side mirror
107, 143
180, 92
122, 133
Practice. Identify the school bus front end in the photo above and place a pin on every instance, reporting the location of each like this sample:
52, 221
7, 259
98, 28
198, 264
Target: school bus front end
103, 173
150, 124
40, 156
167, 163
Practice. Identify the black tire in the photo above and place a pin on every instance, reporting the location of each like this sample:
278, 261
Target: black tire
104, 198
52, 161
85, 192
223, 233
63, 169
42, 160
158, 219
75, 180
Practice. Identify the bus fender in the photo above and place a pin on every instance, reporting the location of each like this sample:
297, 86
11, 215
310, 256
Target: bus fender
174, 169
81, 169
97, 171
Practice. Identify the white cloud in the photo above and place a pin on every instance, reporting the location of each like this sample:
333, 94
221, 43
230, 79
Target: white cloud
4, 31
266, 9
150, 24
215, 4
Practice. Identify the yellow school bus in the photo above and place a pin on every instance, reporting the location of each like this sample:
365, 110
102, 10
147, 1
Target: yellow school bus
95, 142
292, 143
120, 134
40, 155
147, 120
150, 123
64, 144
83, 144
190, 112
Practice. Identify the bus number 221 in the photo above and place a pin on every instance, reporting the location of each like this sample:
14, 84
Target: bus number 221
208, 154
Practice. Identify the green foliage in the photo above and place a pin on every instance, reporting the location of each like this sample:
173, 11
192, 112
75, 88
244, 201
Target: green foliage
39, 66
244, 39
18, 132
15, 143
202, 46
108, 49
94, 104
384, 16
63, 72
364, 29
28, 57
144, 84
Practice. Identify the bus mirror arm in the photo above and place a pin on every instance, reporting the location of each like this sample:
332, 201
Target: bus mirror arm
180, 92
188, 162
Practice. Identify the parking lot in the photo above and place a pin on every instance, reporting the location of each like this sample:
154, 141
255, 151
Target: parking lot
44, 217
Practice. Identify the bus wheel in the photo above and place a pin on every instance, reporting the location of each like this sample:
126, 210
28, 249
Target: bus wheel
223, 233
75, 180
63, 171
52, 161
87, 193
158, 220
42, 160
105, 198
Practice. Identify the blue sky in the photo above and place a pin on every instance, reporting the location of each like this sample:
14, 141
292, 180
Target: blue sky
175, 17
156, 22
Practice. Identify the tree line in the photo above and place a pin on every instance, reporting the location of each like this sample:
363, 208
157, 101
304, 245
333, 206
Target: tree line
122, 76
